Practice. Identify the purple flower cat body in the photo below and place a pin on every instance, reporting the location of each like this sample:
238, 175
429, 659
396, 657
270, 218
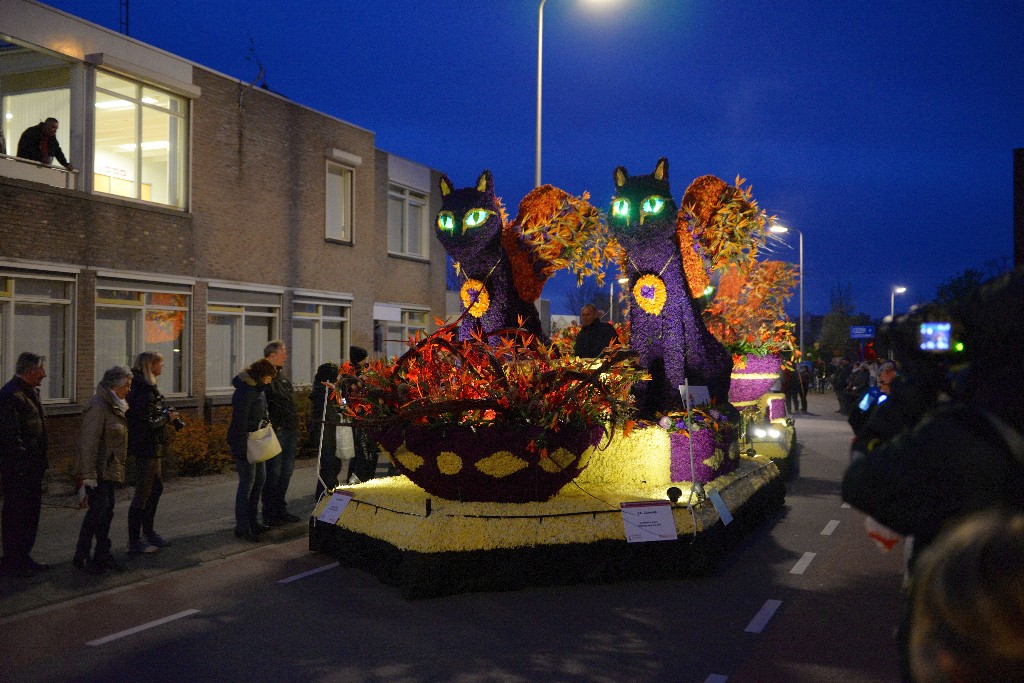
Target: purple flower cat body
666, 330
469, 226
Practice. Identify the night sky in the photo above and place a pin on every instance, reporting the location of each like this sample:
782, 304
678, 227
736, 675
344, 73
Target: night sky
883, 130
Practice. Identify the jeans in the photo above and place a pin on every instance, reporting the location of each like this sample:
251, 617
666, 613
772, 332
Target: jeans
279, 476
97, 520
250, 484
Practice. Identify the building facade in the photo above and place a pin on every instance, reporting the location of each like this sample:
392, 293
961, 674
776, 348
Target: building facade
204, 217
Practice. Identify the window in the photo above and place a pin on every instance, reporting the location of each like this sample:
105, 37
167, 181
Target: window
238, 326
141, 141
33, 87
339, 202
320, 333
135, 317
36, 315
398, 332
407, 222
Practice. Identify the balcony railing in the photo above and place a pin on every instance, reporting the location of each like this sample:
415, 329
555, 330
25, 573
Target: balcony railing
24, 169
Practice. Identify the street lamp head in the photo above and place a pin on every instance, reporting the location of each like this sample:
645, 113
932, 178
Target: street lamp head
623, 280
778, 228
899, 290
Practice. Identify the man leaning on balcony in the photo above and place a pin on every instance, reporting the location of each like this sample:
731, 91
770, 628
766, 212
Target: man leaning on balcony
39, 143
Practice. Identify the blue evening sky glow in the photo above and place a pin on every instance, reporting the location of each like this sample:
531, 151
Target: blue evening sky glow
883, 130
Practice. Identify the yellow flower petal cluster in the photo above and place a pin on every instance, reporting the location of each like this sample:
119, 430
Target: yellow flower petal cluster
649, 292
475, 297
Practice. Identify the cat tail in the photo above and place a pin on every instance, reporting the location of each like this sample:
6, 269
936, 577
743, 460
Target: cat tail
553, 230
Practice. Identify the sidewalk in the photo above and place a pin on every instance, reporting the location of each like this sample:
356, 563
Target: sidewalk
196, 515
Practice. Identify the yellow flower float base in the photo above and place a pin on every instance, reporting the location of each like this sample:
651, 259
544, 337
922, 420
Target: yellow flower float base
430, 546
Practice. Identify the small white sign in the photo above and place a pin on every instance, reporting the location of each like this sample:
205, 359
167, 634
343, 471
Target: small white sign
648, 521
720, 506
694, 395
335, 506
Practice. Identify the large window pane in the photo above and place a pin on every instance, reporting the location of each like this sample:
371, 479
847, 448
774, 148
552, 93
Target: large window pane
221, 341
165, 332
116, 331
23, 110
416, 220
332, 337
42, 329
396, 223
116, 139
258, 332
301, 354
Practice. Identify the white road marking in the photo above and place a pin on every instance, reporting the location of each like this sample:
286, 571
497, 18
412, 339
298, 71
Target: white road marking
830, 527
310, 572
716, 678
159, 622
801, 566
761, 619
846, 506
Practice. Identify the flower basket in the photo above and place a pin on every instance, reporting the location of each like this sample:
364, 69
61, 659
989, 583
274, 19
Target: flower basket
754, 379
710, 457
501, 463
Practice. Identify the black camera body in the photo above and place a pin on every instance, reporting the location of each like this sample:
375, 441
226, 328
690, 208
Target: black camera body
177, 422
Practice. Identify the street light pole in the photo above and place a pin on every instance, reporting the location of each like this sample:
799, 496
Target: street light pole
899, 289
540, 77
782, 229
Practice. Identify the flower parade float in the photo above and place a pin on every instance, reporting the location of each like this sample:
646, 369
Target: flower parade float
516, 460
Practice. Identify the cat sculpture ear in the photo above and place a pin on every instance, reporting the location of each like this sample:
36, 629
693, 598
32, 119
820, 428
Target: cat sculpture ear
446, 185
620, 176
661, 169
485, 183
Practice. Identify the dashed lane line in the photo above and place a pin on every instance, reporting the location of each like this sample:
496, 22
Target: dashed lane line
763, 616
159, 622
801, 566
311, 572
716, 678
830, 527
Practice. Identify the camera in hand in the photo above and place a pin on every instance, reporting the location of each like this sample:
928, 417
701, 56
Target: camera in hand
176, 422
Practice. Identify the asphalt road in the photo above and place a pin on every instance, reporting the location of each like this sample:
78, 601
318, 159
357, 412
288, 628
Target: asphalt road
806, 598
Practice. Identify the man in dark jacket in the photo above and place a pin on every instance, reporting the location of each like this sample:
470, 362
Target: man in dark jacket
39, 143
595, 335
22, 464
285, 418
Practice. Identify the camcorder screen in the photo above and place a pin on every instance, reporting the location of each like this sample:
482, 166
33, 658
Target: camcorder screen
934, 336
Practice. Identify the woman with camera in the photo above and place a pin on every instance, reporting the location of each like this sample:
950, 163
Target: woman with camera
248, 413
147, 443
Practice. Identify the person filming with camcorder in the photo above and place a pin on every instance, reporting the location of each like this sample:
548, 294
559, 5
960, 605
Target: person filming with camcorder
948, 442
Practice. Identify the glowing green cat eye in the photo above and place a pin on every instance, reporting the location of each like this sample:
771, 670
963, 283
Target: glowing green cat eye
620, 208
476, 218
446, 221
652, 205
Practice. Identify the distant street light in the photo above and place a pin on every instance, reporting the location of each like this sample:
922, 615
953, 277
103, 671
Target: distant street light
782, 229
540, 78
892, 299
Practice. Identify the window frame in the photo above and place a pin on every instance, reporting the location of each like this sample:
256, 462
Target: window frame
218, 304
409, 196
10, 299
348, 229
316, 343
406, 327
145, 288
141, 106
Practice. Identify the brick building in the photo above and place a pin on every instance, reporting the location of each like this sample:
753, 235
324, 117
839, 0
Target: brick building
205, 216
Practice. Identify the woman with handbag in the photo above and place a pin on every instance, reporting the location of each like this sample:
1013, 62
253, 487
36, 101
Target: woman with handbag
249, 414
101, 465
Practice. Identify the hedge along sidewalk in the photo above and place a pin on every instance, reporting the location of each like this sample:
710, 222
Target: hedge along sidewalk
196, 514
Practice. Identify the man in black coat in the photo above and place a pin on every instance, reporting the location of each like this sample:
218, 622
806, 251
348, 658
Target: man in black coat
595, 335
22, 464
39, 143
284, 416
